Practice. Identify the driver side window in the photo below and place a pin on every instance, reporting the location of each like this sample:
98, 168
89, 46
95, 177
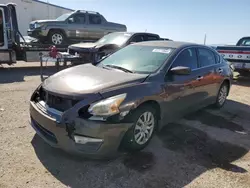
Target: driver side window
187, 58
78, 19
137, 38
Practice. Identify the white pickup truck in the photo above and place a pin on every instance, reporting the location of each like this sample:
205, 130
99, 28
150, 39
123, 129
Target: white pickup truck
238, 55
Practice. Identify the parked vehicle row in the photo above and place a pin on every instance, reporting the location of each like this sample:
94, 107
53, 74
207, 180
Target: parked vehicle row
123, 99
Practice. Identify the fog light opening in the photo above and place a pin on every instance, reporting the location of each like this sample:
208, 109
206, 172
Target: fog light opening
84, 140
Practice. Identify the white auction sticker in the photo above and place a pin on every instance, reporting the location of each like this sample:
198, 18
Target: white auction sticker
162, 51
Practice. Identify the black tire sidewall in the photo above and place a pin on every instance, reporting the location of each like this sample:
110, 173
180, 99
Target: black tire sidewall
128, 141
217, 104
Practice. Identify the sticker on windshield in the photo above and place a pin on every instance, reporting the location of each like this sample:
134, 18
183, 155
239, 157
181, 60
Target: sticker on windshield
162, 51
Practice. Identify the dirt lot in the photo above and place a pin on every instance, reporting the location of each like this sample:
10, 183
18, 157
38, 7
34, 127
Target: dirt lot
206, 149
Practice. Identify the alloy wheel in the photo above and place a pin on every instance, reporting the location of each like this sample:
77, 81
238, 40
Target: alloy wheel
222, 94
57, 38
144, 128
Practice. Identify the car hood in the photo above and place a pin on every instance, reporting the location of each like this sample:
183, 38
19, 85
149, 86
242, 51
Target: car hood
88, 79
45, 21
83, 45
87, 47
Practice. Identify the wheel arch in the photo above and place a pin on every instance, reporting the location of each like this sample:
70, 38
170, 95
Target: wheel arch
153, 104
58, 29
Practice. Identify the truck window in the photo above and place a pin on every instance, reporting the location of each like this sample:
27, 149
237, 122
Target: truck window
78, 18
151, 37
94, 19
137, 38
1, 29
246, 42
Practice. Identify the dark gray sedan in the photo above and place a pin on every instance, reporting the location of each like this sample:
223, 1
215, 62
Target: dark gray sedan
121, 101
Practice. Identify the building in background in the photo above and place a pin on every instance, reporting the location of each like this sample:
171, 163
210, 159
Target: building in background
30, 10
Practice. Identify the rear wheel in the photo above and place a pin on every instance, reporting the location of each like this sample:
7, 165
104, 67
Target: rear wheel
140, 134
222, 95
56, 37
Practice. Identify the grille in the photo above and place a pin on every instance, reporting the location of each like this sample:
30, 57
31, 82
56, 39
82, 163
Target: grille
72, 52
32, 26
85, 56
56, 102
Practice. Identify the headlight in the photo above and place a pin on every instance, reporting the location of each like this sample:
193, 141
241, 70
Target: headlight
37, 25
107, 107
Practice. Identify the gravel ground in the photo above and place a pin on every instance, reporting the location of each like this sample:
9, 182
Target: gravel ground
209, 148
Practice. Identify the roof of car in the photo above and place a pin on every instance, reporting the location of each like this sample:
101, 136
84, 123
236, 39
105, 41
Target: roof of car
162, 43
133, 33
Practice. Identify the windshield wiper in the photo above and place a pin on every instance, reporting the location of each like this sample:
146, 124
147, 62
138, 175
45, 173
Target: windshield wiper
120, 68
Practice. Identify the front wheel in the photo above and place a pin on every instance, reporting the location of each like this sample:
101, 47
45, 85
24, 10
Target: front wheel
56, 37
140, 134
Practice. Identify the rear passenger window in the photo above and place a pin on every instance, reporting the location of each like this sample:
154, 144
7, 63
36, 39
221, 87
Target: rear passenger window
206, 57
79, 18
217, 58
187, 58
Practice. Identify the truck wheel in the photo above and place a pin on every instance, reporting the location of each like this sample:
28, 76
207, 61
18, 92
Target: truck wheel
56, 37
140, 134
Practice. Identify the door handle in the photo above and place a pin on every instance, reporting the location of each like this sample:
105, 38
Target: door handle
220, 70
199, 78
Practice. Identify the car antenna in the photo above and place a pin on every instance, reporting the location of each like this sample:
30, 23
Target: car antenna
205, 38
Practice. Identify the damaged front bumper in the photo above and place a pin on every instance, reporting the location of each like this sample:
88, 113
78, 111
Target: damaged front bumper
86, 137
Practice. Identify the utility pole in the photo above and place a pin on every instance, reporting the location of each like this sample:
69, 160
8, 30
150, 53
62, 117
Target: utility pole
205, 38
48, 9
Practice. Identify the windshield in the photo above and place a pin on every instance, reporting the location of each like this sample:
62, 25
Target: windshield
63, 17
139, 59
114, 38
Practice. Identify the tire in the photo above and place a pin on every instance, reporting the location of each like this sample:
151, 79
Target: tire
222, 95
56, 37
131, 140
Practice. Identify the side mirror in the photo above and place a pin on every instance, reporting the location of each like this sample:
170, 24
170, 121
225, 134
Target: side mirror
70, 20
180, 70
